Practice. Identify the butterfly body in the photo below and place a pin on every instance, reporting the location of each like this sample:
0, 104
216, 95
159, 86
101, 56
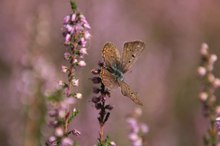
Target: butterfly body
115, 66
116, 72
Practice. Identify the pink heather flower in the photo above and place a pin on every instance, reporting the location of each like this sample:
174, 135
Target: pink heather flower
87, 26
83, 51
78, 95
52, 139
59, 132
61, 83
112, 143
62, 113
216, 83
66, 19
69, 28
204, 49
133, 136
83, 42
67, 55
203, 96
75, 60
201, 71
73, 18
64, 69
67, 39
66, 142
87, 35
75, 82
213, 58
69, 101
144, 128
82, 63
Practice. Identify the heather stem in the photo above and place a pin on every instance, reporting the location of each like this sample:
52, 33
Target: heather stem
101, 133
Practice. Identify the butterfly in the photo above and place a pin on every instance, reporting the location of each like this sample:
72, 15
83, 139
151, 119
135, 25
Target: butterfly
116, 65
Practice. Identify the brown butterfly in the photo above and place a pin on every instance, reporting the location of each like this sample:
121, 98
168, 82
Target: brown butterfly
115, 66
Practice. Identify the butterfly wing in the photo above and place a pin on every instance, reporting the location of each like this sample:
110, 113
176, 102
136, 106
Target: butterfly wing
127, 91
130, 54
108, 79
111, 55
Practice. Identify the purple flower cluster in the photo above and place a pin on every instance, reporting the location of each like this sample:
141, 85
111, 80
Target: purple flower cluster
137, 129
101, 95
76, 34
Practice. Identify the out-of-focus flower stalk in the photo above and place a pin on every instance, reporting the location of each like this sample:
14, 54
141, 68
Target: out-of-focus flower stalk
207, 94
63, 111
138, 130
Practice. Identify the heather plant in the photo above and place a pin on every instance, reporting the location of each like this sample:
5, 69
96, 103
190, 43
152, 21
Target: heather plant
62, 106
209, 84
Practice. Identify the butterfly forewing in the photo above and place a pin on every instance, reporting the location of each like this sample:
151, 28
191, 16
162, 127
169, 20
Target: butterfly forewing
108, 79
111, 55
127, 91
130, 54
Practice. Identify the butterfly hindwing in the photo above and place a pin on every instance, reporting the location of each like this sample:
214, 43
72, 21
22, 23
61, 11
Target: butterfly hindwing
127, 91
111, 55
108, 79
130, 54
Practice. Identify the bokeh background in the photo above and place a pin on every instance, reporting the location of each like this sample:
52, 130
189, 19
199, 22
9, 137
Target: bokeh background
164, 75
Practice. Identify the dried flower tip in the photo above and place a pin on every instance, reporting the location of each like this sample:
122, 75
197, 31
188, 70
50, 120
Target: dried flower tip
66, 142
82, 63
101, 64
83, 51
216, 83
201, 71
64, 68
75, 82
203, 96
213, 58
78, 95
96, 90
59, 132
109, 107
96, 80
204, 49
76, 132
95, 99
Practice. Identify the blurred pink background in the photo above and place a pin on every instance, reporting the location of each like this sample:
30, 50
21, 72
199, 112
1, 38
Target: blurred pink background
164, 75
